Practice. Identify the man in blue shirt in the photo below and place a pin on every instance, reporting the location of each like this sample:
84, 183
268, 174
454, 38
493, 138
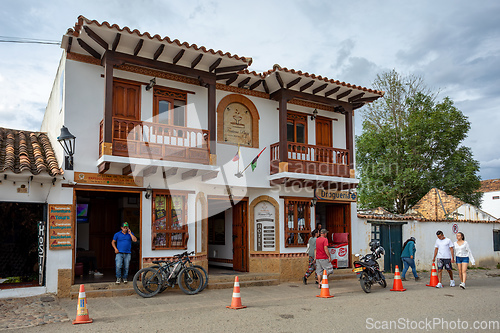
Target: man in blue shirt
122, 243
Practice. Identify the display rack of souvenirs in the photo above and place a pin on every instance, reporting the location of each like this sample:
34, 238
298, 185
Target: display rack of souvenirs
161, 224
160, 239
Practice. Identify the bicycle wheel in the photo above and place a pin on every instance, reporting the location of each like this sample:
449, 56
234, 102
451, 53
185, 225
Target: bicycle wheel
204, 274
147, 282
190, 280
164, 276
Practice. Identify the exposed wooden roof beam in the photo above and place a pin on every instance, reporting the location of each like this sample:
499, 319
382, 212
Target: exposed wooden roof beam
236, 68
266, 88
196, 61
318, 89
333, 91
232, 79
96, 37
225, 76
243, 82
355, 97
138, 47
368, 99
178, 56
214, 65
169, 173
189, 174
209, 175
290, 94
89, 49
159, 51
116, 41
292, 83
256, 84
68, 48
127, 170
307, 85
279, 79
344, 94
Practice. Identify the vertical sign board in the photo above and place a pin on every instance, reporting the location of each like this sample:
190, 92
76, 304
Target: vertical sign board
265, 231
41, 252
60, 227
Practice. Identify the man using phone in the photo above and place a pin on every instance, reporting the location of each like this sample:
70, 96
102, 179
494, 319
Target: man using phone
122, 243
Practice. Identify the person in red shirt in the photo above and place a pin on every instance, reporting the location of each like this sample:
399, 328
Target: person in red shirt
322, 256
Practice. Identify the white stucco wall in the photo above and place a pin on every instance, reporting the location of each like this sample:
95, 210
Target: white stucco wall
490, 205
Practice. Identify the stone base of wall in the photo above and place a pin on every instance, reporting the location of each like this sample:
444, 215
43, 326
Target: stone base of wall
64, 282
290, 267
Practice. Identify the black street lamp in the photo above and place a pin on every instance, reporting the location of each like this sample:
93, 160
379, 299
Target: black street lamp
67, 141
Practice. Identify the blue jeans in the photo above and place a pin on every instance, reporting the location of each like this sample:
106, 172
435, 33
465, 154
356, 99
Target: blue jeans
407, 263
122, 259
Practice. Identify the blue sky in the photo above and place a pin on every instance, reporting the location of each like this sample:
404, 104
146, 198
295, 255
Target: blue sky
453, 45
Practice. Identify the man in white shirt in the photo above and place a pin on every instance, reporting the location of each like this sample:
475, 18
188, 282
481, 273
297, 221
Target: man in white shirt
443, 251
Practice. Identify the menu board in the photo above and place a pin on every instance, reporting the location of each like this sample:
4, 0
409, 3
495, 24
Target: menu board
60, 227
265, 232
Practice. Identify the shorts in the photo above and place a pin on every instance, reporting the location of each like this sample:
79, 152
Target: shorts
462, 260
323, 264
444, 264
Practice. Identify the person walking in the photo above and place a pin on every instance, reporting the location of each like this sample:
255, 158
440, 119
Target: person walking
122, 243
322, 256
311, 248
463, 255
408, 257
443, 252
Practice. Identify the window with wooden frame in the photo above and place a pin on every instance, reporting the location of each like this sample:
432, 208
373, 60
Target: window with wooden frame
169, 106
169, 228
296, 127
297, 222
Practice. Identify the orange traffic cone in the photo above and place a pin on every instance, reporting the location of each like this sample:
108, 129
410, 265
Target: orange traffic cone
82, 314
434, 277
325, 290
398, 284
236, 301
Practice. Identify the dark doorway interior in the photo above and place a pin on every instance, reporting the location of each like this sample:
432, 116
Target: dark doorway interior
19, 243
105, 213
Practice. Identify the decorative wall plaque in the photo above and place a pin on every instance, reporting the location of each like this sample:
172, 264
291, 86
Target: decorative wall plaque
238, 125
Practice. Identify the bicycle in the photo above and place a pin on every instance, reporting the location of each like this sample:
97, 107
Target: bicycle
152, 280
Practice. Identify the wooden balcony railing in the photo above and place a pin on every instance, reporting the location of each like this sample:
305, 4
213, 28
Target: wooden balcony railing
311, 159
142, 139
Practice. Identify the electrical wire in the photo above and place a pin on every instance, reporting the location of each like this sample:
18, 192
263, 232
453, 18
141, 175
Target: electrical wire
21, 40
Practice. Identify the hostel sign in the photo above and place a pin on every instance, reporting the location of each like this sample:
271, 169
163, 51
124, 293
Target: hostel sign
331, 195
265, 234
60, 227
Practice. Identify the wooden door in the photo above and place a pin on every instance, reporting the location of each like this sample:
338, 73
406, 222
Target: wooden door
104, 223
324, 139
391, 239
240, 237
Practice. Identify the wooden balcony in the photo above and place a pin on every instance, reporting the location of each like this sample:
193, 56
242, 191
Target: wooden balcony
311, 159
142, 139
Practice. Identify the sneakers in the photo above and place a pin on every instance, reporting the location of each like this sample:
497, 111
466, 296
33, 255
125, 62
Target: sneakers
98, 274
125, 281
462, 285
452, 283
118, 280
439, 285
417, 278
91, 272
304, 279
403, 279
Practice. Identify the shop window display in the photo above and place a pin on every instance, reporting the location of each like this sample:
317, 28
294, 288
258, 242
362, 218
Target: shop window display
169, 230
298, 225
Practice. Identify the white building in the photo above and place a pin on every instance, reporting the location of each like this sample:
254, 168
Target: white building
491, 196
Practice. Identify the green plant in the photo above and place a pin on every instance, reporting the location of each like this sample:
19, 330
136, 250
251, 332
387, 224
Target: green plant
498, 265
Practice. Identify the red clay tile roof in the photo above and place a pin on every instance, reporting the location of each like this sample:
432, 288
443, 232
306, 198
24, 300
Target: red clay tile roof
490, 185
76, 31
27, 151
277, 67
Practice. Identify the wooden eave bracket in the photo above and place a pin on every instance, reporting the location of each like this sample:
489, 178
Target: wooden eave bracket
103, 167
189, 174
209, 175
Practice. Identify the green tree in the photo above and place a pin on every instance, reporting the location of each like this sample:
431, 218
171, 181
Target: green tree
410, 144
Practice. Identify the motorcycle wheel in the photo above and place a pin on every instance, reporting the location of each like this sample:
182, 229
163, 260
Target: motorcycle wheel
383, 283
364, 280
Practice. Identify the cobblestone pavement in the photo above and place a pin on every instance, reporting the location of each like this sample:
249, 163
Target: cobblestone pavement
30, 311
18, 313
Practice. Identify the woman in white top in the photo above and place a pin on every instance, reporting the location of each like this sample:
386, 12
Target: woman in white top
463, 255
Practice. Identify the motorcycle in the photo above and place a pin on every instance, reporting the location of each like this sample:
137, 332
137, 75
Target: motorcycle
367, 268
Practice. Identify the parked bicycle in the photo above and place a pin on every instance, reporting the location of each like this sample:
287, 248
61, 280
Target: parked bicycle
155, 279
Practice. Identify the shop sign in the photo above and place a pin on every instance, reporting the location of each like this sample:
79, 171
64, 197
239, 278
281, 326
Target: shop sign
60, 227
265, 231
41, 251
107, 179
335, 195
